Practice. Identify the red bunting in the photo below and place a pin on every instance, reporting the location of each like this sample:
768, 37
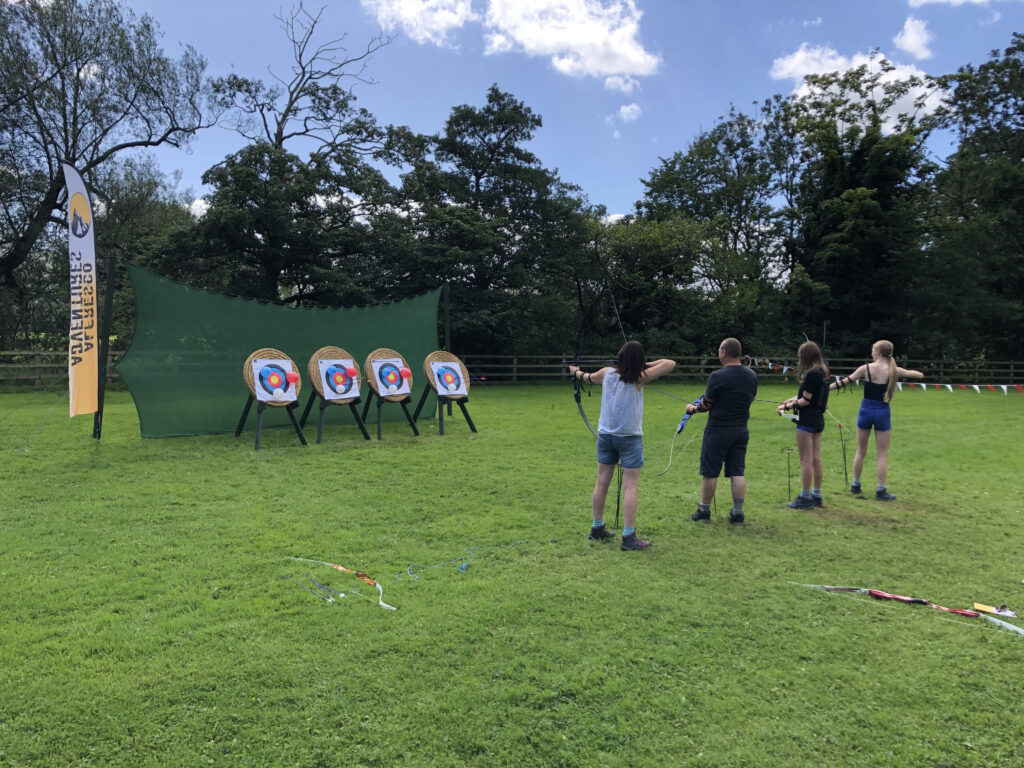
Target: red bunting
962, 386
991, 387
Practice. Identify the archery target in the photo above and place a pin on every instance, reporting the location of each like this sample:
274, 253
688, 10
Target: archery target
448, 379
388, 373
271, 381
337, 384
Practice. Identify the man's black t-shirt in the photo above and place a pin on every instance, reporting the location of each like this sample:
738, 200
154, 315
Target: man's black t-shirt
731, 389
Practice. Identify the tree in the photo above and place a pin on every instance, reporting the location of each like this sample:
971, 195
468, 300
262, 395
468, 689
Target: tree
283, 226
722, 189
857, 249
84, 82
978, 217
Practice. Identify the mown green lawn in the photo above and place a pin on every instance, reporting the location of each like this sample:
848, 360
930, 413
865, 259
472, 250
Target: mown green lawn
152, 616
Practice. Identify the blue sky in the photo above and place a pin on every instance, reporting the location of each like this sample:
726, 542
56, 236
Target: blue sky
618, 83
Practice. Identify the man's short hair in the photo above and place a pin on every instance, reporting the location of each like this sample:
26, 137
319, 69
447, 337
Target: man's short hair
731, 348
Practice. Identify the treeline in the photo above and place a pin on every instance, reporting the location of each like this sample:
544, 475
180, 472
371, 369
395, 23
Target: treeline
821, 214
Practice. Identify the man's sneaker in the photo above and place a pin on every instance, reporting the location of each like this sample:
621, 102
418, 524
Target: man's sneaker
736, 518
632, 542
801, 502
855, 488
817, 501
884, 495
701, 516
600, 533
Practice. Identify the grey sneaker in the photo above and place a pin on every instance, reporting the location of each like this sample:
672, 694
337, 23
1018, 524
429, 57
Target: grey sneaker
631, 542
884, 495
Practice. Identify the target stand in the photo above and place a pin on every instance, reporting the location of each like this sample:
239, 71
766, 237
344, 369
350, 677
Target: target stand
449, 379
271, 378
383, 369
332, 383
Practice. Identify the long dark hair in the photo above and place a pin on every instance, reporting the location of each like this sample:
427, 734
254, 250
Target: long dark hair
631, 362
810, 357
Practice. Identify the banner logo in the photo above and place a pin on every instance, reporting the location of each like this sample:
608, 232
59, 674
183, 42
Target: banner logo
79, 215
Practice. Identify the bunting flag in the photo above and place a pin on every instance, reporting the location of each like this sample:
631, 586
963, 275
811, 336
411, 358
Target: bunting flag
83, 345
763, 362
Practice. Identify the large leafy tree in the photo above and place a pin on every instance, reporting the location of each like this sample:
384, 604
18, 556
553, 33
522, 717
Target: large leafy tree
977, 254
857, 247
84, 81
492, 221
286, 221
722, 190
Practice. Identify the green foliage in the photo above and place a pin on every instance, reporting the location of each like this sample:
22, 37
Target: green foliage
84, 82
152, 620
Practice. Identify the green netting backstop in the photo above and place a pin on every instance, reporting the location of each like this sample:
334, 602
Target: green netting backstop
184, 364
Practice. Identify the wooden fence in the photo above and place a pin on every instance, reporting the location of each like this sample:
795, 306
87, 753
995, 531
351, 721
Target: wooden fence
45, 369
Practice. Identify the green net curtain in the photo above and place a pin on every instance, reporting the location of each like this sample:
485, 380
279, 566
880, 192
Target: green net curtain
184, 364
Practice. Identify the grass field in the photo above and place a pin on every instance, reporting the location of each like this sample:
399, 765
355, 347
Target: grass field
151, 615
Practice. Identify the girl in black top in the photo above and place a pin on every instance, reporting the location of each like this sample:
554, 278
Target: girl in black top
810, 403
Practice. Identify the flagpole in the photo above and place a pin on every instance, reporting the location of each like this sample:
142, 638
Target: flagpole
108, 308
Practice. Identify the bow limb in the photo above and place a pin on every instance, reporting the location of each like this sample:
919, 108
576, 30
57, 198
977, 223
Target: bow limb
577, 387
682, 425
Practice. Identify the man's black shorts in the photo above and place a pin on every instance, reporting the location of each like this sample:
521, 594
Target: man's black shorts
724, 446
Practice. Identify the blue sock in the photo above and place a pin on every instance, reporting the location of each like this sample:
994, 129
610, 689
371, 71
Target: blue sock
805, 494
816, 493
628, 530
704, 507
597, 523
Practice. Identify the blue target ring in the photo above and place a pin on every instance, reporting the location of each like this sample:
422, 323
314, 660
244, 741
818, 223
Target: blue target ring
448, 378
273, 377
337, 380
389, 375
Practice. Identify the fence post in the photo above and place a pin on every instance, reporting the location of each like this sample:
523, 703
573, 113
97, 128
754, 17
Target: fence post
39, 371
515, 369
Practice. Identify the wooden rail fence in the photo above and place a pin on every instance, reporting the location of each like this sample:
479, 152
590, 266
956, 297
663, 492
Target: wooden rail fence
43, 369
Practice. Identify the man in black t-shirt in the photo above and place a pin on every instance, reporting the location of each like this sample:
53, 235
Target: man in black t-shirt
730, 391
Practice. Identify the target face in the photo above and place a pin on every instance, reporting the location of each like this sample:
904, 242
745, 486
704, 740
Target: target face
388, 374
270, 380
449, 379
272, 377
337, 384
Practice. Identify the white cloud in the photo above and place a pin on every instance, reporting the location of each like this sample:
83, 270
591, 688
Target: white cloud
630, 112
919, 3
425, 21
616, 134
581, 37
812, 22
198, 208
914, 38
808, 60
621, 83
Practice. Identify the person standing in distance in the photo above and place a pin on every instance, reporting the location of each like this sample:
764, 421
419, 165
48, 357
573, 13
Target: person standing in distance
620, 434
879, 382
730, 391
810, 403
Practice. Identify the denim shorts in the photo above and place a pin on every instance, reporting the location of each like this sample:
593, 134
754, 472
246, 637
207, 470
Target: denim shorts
874, 414
629, 449
812, 430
